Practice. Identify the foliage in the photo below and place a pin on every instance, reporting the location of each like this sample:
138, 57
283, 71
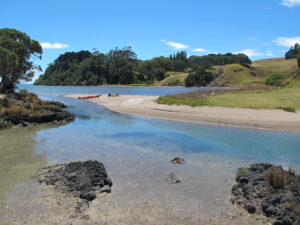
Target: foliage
219, 59
16, 50
287, 109
179, 61
298, 60
241, 173
275, 80
154, 69
293, 52
198, 77
121, 66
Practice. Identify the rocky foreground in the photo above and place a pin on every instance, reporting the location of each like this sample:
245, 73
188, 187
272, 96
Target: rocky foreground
80, 179
24, 109
269, 190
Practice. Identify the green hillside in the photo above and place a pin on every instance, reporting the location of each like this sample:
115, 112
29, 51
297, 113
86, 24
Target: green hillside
234, 75
173, 78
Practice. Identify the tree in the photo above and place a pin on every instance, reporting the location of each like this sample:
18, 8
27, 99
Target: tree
275, 80
298, 60
121, 65
293, 52
16, 51
199, 77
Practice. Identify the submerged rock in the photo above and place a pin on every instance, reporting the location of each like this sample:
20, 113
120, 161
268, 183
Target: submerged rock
269, 190
172, 179
177, 160
81, 179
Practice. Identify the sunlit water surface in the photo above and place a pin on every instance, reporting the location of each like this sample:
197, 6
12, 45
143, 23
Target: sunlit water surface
137, 151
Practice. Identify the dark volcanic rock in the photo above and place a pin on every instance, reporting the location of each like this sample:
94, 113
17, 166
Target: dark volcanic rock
177, 160
81, 179
257, 193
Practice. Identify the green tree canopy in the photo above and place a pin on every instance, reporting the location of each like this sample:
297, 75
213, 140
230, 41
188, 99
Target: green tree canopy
298, 60
198, 77
293, 52
275, 80
16, 51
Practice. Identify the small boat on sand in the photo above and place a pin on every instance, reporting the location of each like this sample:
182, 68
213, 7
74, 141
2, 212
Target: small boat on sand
91, 96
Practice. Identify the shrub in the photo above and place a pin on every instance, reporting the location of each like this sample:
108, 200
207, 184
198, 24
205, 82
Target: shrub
287, 109
277, 178
275, 80
241, 173
23, 92
30, 97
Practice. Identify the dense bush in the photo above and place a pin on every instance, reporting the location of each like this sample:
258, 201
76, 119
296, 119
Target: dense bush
121, 66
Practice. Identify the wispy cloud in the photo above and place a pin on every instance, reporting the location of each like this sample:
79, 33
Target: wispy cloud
176, 45
54, 45
287, 42
249, 52
252, 39
290, 3
199, 50
269, 53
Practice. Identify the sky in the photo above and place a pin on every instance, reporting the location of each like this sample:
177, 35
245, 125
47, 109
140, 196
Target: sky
258, 28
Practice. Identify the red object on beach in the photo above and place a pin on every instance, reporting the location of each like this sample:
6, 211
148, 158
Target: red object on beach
91, 96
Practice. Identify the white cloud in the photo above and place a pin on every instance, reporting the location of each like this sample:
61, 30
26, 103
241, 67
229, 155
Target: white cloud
250, 52
252, 39
269, 53
287, 42
199, 50
54, 45
290, 3
176, 45
163, 40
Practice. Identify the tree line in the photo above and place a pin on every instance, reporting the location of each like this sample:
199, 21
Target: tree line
18, 54
121, 66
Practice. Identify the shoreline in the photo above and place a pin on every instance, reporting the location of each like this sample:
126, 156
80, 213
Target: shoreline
259, 119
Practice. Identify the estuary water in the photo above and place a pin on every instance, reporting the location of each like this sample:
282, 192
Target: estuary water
136, 152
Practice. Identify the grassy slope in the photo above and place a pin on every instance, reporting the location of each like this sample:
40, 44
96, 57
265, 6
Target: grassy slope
172, 77
285, 97
235, 75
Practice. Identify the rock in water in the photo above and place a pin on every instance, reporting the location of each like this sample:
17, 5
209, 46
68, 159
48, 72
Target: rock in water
177, 160
81, 179
172, 179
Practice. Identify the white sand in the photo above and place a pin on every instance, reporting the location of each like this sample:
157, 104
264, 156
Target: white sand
267, 119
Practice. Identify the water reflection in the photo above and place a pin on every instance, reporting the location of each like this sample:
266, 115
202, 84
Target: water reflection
18, 158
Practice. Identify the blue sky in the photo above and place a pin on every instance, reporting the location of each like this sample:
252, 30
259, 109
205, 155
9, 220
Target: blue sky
259, 28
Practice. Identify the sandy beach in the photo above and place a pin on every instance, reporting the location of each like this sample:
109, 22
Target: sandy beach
266, 119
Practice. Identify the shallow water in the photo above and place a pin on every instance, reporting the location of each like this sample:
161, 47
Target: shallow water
137, 152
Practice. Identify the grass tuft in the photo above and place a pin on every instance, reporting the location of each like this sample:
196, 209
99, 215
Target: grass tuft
278, 178
241, 173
